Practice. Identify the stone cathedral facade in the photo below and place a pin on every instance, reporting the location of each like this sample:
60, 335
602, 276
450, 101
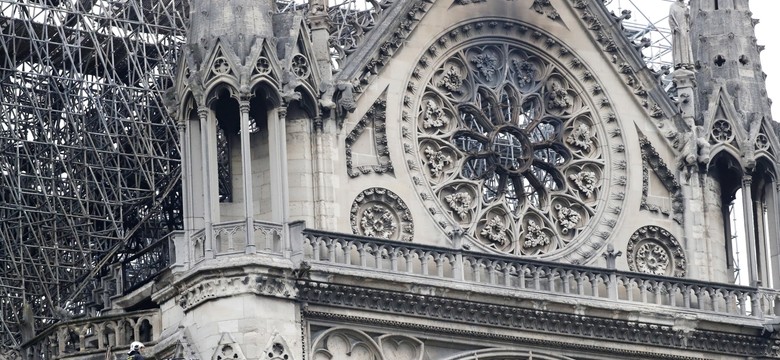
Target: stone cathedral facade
473, 179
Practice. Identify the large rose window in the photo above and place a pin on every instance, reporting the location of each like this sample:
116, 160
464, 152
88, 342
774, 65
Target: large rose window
510, 149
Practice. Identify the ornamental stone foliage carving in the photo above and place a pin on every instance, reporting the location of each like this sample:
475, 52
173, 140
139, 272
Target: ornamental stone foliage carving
653, 250
501, 141
230, 286
380, 213
652, 160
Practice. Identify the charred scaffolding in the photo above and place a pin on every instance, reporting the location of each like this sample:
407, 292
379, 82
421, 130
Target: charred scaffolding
89, 157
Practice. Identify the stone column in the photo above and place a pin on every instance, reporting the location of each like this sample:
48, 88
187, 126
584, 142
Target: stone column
186, 188
319, 177
773, 258
750, 230
207, 142
277, 151
246, 167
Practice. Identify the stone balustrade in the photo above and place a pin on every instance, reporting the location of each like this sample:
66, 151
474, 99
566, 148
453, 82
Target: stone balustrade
231, 238
339, 251
94, 335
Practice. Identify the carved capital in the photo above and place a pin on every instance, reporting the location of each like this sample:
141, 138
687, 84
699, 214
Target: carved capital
203, 113
747, 181
243, 105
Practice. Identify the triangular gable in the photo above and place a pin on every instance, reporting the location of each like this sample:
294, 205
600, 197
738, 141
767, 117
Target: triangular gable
766, 141
277, 349
722, 121
361, 66
220, 62
228, 349
293, 43
262, 61
301, 74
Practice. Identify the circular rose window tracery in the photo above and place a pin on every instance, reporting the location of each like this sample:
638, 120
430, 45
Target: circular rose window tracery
509, 149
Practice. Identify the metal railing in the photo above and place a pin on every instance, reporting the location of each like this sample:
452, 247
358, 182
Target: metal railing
146, 265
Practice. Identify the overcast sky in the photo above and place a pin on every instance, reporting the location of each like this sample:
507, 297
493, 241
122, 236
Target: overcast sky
767, 33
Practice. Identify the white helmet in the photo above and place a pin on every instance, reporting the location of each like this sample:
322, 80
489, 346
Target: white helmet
135, 346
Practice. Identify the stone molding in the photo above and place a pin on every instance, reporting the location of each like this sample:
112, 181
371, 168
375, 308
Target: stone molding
625, 56
374, 118
215, 288
450, 333
651, 159
534, 320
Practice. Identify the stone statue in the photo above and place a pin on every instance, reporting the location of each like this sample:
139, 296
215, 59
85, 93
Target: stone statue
679, 22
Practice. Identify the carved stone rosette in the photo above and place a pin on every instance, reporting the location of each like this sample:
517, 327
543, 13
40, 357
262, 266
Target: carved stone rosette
508, 145
653, 250
380, 213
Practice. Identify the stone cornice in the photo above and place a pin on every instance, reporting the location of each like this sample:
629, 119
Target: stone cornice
258, 284
534, 320
217, 279
341, 319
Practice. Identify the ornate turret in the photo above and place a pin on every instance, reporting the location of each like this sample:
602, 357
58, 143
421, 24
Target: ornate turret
737, 130
236, 24
726, 53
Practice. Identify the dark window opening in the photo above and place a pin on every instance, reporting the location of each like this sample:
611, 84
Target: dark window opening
223, 167
228, 116
720, 60
743, 60
716, 4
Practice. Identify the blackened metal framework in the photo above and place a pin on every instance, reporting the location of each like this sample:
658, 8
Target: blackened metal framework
89, 157
89, 169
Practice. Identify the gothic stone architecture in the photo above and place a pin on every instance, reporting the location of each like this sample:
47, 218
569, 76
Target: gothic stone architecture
458, 179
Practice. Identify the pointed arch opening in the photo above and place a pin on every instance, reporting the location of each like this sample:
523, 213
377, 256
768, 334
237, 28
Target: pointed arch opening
724, 180
226, 111
766, 230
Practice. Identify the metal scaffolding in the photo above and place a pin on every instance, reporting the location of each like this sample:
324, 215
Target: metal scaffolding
648, 19
89, 158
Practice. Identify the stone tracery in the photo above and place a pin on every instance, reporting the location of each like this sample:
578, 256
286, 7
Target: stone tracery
654, 250
380, 213
510, 148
